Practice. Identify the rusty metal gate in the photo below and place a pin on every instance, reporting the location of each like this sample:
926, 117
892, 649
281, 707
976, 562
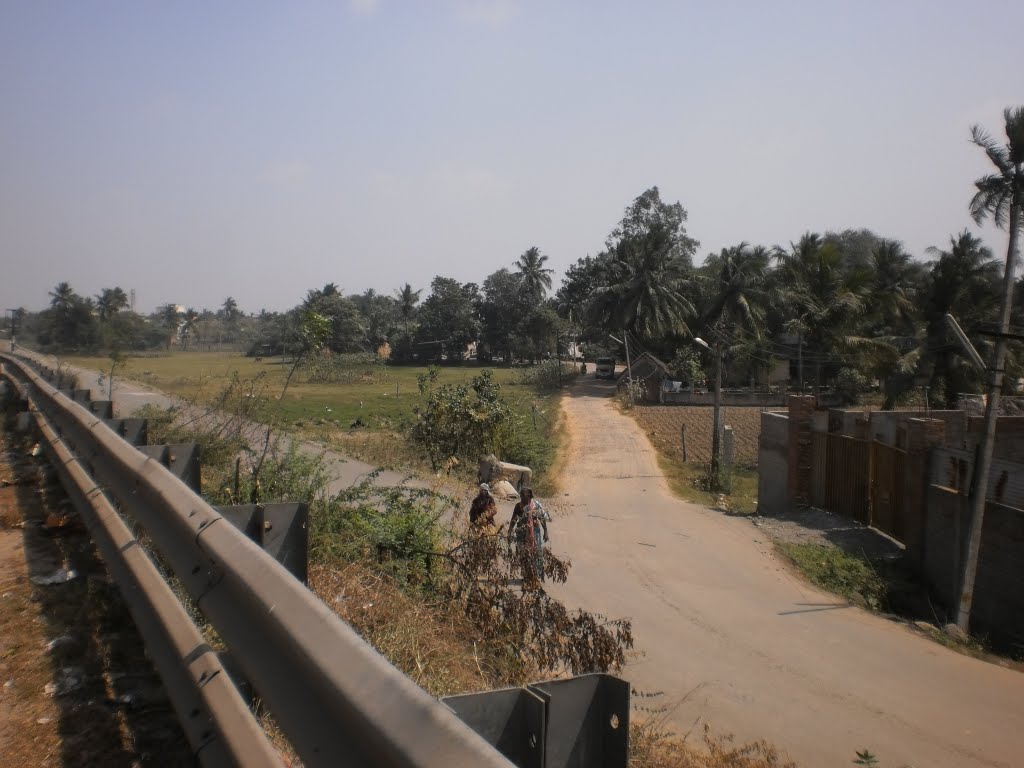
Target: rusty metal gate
887, 489
848, 477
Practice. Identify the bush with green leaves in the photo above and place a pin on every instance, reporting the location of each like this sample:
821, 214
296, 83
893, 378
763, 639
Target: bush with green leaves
458, 422
344, 368
546, 376
686, 366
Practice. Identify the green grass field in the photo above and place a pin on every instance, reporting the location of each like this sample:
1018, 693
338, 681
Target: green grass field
382, 397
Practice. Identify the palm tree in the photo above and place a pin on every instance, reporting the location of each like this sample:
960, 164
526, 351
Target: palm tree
229, 309
188, 326
62, 297
407, 300
963, 282
736, 278
644, 288
109, 302
1001, 196
171, 319
736, 281
534, 277
823, 299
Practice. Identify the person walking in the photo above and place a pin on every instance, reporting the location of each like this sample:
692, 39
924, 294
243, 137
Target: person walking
529, 528
483, 509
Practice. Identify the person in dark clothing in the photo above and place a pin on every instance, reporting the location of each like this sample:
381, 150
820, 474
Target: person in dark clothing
483, 509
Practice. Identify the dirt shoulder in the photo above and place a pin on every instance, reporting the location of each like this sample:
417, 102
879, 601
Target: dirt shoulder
78, 689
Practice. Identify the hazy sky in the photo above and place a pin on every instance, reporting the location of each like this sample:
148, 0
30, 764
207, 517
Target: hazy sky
194, 150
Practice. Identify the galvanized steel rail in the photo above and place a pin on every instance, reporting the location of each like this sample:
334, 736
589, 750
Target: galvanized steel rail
337, 700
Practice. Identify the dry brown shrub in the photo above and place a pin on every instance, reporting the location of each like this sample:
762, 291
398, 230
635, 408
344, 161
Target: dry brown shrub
430, 643
652, 745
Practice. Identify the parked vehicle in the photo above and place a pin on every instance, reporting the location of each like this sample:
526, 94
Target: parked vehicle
605, 368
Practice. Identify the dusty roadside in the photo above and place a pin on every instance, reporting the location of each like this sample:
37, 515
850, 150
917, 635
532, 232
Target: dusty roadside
77, 688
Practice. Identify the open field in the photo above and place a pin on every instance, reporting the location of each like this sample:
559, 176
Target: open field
380, 397
663, 425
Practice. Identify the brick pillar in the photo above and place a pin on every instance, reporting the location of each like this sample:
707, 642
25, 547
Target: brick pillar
800, 462
922, 436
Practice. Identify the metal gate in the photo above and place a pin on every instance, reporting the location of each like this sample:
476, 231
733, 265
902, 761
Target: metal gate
887, 489
848, 477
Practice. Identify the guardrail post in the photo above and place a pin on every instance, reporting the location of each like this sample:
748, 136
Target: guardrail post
588, 722
134, 431
579, 722
512, 720
280, 529
182, 459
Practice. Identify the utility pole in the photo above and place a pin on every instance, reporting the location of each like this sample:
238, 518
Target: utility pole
716, 433
800, 359
629, 366
988, 435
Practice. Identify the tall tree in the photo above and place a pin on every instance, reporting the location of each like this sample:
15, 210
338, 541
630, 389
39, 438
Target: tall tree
824, 300
1001, 196
188, 327
734, 286
62, 297
170, 318
70, 322
534, 277
109, 302
448, 322
963, 282
406, 299
649, 260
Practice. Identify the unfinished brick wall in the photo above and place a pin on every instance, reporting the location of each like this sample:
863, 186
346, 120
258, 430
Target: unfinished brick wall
800, 459
998, 607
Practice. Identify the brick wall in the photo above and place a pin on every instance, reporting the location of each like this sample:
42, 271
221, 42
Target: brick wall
1009, 436
800, 453
998, 606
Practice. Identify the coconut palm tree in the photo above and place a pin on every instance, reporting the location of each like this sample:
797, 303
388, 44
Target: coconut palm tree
534, 277
963, 282
1001, 196
62, 297
734, 281
109, 302
188, 326
823, 300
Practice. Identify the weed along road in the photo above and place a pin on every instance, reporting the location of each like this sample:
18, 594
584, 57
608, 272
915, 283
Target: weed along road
727, 636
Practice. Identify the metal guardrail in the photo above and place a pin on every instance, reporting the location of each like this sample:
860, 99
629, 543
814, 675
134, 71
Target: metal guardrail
337, 700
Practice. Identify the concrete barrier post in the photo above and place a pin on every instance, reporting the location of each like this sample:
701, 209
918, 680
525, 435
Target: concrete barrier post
922, 436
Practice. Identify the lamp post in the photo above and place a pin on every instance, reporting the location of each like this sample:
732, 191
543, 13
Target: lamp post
716, 434
629, 366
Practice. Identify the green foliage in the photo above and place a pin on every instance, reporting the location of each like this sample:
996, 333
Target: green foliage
344, 368
646, 271
448, 319
546, 376
837, 571
865, 758
631, 392
686, 365
461, 423
851, 384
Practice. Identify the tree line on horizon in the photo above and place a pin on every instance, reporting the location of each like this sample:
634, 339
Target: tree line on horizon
847, 309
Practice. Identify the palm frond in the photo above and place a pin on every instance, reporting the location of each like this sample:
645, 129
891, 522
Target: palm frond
995, 151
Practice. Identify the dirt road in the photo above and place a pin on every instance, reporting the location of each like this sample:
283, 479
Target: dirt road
731, 638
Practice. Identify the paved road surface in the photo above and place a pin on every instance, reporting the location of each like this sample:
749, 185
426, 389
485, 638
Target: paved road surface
731, 638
